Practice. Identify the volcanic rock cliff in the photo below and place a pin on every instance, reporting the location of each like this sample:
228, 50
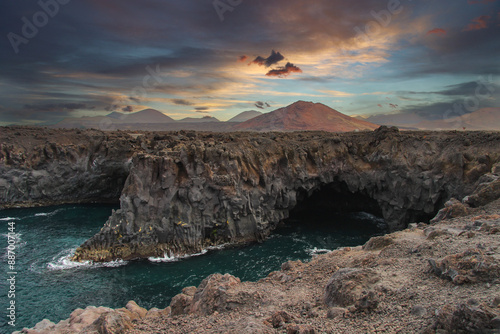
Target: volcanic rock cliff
190, 191
185, 191
40, 166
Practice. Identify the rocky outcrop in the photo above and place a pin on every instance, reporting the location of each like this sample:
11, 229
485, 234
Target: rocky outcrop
45, 166
385, 286
97, 320
185, 191
198, 190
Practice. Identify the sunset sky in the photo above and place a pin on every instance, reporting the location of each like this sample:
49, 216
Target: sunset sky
415, 58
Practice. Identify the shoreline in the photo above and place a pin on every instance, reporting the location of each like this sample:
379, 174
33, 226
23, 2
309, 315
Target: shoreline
433, 278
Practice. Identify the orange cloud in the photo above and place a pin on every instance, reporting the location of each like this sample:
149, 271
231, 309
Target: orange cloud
284, 70
478, 23
242, 58
437, 31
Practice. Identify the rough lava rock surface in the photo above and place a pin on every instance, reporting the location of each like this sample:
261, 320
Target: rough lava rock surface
186, 191
198, 190
41, 166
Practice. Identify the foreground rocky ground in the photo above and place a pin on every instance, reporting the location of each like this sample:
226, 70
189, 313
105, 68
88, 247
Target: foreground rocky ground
437, 278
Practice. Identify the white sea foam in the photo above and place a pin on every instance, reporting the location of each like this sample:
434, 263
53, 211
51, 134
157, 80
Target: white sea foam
49, 214
167, 258
63, 261
315, 250
8, 219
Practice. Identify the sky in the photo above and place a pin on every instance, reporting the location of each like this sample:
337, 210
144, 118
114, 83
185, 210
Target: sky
422, 59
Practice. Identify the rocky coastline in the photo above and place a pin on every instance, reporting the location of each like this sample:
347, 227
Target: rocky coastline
442, 277
198, 190
437, 278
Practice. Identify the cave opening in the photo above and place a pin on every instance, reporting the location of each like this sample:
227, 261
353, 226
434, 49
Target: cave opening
332, 208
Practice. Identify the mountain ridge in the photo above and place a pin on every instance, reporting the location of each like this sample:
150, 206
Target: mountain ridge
301, 116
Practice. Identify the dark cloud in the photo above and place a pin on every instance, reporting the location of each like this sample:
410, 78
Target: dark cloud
55, 106
202, 109
262, 105
181, 102
242, 58
274, 58
128, 109
284, 70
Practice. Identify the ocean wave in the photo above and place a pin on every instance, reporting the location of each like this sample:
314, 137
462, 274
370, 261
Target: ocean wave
8, 219
167, 258
315, 250
50, 213
63, 261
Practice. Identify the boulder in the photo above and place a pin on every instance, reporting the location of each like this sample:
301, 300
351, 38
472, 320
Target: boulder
352, 287
452, 209
376, 243
464, 318
467, 267
213, 294
486, 193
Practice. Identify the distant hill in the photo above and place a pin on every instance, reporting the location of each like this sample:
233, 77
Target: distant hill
147, 116
144, 119
482, 119
397, 119
245, 116
116, 115
203, 119
303, 115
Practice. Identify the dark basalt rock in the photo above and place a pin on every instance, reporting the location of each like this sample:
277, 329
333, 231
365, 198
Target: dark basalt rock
236, 188
187, 192
45, 166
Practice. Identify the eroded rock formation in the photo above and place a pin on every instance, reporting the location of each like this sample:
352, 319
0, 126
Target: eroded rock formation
196, 190
185, 191
45, 166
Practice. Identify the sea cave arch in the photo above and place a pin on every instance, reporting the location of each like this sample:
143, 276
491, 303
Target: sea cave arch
321, 205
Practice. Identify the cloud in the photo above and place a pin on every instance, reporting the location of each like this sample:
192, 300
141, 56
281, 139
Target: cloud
337, 93
181, 102
242, 58
436, 31
470, 88
274, 58
474, 2
128, 109
262, 105
379, 105
284, 71
478, 23
56, 107
202, 109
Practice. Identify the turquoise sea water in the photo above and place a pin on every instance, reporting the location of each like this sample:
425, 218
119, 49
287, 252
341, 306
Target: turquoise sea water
50, 286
